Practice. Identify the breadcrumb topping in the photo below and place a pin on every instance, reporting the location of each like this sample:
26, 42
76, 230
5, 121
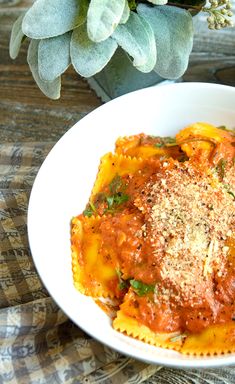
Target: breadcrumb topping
189, 217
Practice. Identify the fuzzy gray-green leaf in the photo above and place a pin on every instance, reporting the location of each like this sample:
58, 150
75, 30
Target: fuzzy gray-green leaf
158, 2
54, 56
137, 39
16, 37
49, 18
88, 57
125, 14
103, 17
49, 88
173, 30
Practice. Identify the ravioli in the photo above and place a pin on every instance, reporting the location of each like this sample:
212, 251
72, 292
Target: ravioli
157, 236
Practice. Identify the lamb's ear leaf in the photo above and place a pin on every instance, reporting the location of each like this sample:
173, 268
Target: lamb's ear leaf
173, 30
54, 56
16, 38
125, 14
50, 88
49, 18
103, 17
137, 39
88, 57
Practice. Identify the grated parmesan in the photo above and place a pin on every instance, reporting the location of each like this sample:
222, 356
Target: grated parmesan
189, 215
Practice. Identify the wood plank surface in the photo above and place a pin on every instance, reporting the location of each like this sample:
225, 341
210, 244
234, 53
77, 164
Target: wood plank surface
213, 56
25, 113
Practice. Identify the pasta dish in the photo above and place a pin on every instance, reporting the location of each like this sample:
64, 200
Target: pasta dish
157, 238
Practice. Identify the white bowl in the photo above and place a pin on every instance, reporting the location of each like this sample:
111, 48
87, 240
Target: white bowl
64, 182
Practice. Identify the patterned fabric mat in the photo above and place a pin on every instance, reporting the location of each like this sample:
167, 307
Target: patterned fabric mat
38, 343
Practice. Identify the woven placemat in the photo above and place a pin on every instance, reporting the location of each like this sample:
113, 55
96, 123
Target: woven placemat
39, 344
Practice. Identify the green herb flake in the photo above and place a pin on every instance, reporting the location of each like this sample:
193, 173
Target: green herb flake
88, 212
159, 145
227, 187
140, 288
167, 141
90, 209
116, 184
117, 194
220, 168
115, 201
232, 194
120, 198
110, 201
122, 283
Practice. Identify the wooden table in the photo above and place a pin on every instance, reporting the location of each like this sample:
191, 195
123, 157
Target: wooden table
26, 115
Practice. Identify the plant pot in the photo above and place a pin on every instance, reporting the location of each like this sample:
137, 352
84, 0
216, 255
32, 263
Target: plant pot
120, 77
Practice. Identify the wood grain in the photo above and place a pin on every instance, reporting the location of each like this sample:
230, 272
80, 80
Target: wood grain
213, 56
25, 113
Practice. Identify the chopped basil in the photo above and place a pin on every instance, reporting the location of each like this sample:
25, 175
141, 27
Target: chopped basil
116, 184
165, 142
227, 187
232, 194
159, 145
110, 200
122, 283
113, 199
169, 140
140, 288
220, 168
117, 194
116, 200
88, 212
90, 209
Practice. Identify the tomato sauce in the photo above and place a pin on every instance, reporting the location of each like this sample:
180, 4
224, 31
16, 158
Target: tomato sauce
171, 226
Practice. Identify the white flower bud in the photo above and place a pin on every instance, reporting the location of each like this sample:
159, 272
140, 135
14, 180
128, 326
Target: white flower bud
215, 3
210, 19
224, 11
220, 19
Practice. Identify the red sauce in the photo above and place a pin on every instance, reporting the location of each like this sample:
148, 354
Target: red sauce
169, 235
137, 254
